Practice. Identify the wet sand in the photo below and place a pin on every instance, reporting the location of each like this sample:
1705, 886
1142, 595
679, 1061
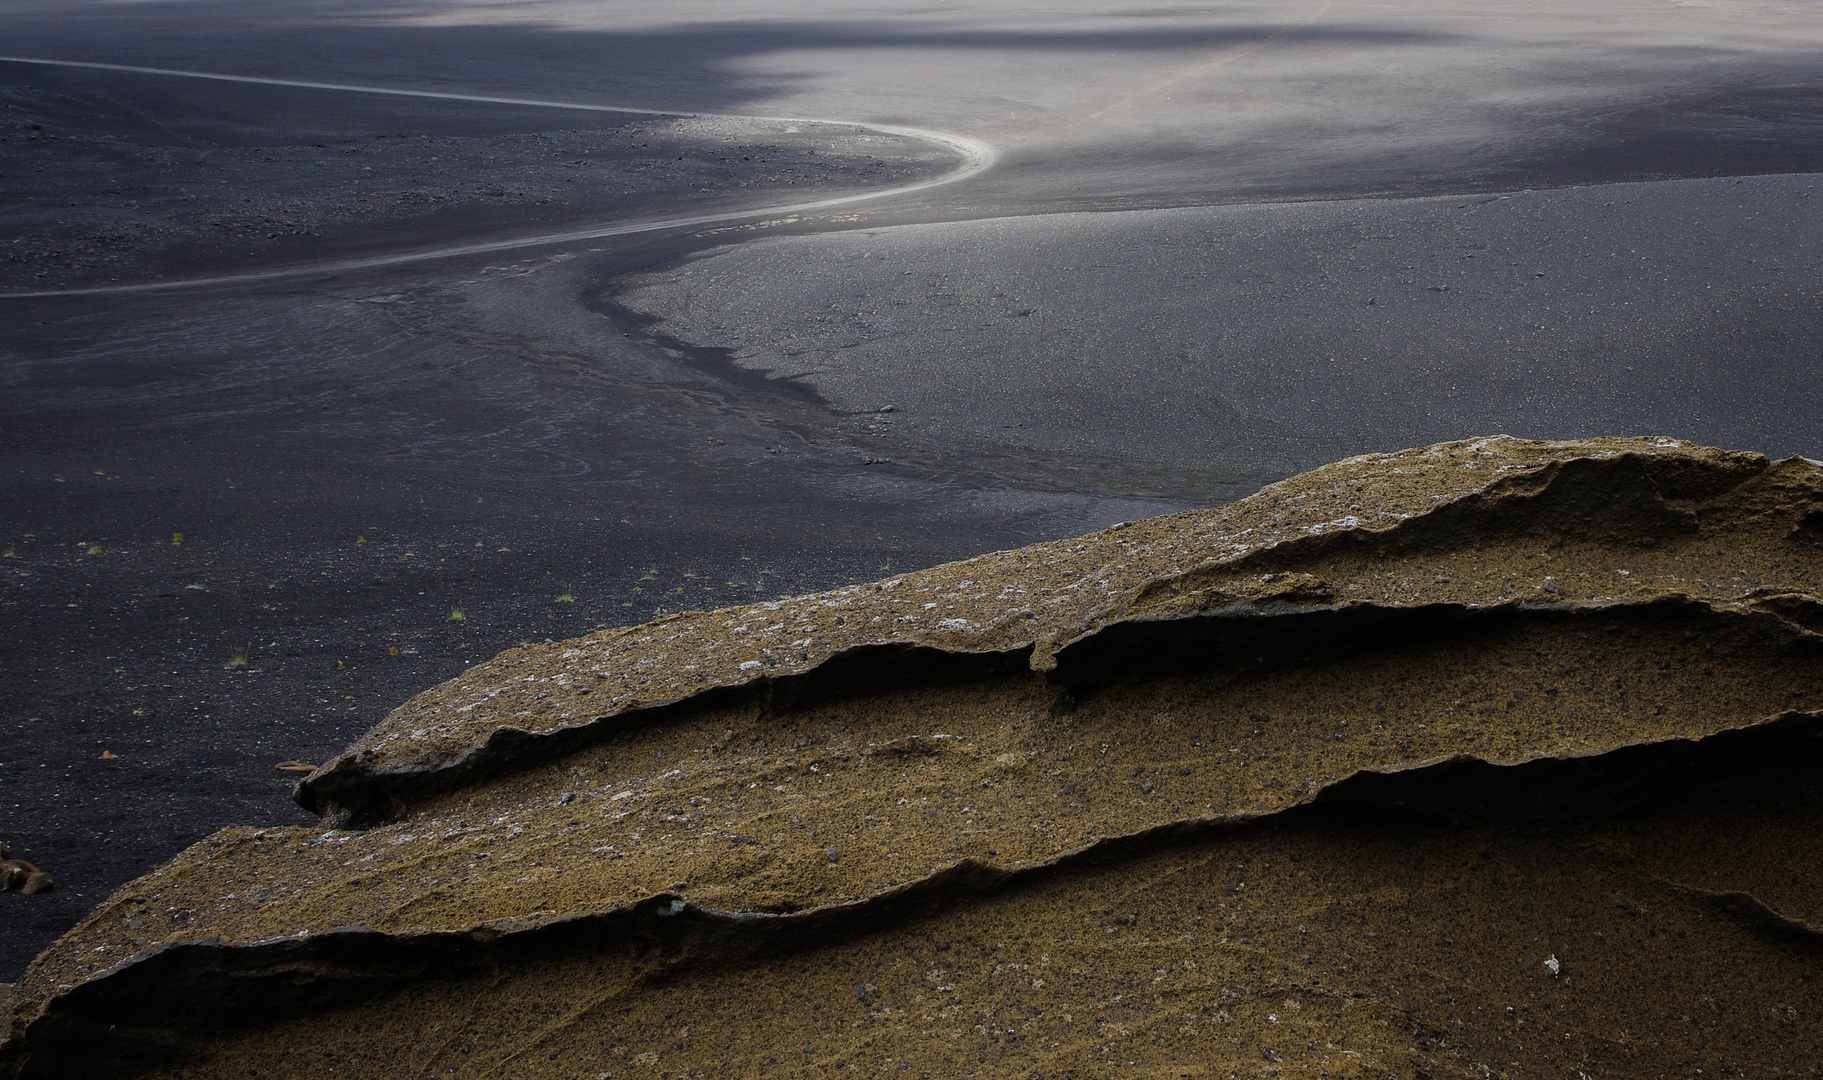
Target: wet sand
1215, 345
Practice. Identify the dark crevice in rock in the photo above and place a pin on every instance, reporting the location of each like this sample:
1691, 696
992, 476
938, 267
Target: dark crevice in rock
1239, 638
1629, 779
1795, 608
1635, 497
350, 795
1253, 636
1752, 912
1629, 498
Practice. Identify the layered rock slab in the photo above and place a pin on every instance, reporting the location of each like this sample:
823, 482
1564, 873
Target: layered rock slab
994, 747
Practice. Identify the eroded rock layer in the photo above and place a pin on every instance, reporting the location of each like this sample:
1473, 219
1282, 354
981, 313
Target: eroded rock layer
1494, 758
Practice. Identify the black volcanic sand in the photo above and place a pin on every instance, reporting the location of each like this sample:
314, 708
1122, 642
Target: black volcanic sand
1096, 106
1265, 339
115, 177
375, 484
348, 472
1490, 758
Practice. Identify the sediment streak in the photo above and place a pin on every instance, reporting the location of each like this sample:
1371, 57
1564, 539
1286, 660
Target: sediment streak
973, 156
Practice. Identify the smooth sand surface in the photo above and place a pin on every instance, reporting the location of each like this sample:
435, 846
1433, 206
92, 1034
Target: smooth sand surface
1093, 102
1216, 344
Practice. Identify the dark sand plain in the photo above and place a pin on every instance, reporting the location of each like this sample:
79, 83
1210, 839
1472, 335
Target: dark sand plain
353, 458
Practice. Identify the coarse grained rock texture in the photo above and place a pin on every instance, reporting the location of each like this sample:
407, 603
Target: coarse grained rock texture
1488, 758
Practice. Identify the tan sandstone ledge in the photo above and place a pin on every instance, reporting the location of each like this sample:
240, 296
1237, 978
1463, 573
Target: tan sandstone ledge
776, 792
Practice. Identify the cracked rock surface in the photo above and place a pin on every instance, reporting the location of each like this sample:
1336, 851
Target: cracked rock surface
1488, 758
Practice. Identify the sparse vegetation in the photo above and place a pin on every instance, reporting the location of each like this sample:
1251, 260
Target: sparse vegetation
456, 615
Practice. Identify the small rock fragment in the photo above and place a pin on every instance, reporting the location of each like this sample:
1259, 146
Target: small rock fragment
21, 875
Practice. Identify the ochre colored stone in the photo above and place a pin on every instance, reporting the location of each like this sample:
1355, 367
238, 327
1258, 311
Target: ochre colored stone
1489, 758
